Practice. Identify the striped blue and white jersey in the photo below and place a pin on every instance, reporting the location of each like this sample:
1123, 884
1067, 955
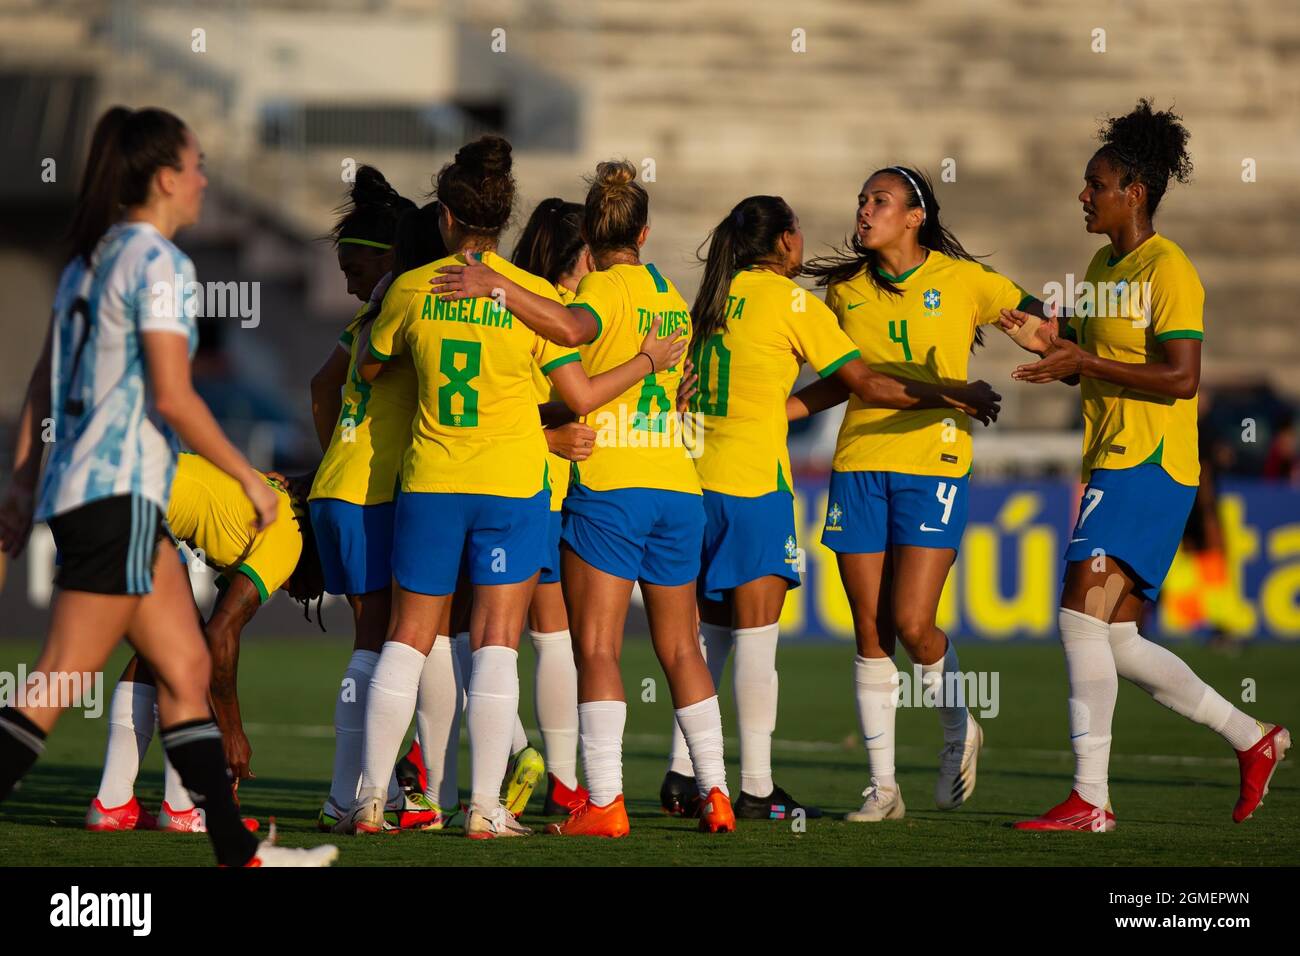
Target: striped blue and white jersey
108, 438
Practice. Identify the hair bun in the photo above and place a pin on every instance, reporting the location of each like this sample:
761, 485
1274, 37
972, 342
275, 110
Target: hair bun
370, 188
489, 154
615, 173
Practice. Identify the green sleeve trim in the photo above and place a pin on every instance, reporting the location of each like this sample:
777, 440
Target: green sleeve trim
661, 284
346, 339
252, 575
1026, 301
1067, 331
552, 365
600, 326
375, 353
1180, 334
835, 366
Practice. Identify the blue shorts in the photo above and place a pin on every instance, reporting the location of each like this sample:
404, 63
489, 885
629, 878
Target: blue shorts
870, 511
640, 534
1136, 516
493, 539
551, 568
355, 544
746, 539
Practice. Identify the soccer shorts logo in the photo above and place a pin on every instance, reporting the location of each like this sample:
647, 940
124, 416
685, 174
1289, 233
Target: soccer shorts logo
833, 517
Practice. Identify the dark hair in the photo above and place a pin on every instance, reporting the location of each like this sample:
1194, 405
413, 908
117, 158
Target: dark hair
854, 257
477, 187
617, 207
550, 243
418, 241
747, 235
308, 577
1147, 147
126, 149
371, 211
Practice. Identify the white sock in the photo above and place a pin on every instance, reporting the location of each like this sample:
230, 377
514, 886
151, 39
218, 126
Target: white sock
350, 727
130, 728
174, 793
437, 719
755, 680
701, 724
715, 645
600, 725
556, 698
519, 739
389, 708
875, 687
1094, 685
1167, 677
952, 713
493, 710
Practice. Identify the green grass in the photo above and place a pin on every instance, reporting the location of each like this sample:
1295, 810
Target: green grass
1173, 783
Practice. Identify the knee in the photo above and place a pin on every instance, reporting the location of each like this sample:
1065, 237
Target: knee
913, 630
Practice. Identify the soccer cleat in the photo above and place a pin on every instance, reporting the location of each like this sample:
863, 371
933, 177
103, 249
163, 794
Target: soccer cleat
329, 816
777, 805
415, 813
716, 815
181, 821
560, 800
445, 819
957, 760
679, 796
268, 854
880, 804
365, 817
526, 768
1257, 767
495, 825
129, 816
411, 773
587, 819
1074, 814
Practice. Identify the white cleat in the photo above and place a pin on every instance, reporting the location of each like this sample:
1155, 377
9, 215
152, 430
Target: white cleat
268, 854
366, 816
957, 762
880, 805
490, 826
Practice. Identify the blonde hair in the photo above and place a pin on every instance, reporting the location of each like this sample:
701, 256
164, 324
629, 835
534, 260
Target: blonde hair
617, 207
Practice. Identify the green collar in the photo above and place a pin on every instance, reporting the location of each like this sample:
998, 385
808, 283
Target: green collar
904, 276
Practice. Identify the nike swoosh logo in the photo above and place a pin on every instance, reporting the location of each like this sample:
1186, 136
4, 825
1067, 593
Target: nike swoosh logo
881, 734
1077, 540
1074, 736
926, 527
854, 305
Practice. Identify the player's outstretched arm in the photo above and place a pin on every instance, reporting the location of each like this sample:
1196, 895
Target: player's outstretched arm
20, 498
874, 389
546, 317
584, 395
236, 607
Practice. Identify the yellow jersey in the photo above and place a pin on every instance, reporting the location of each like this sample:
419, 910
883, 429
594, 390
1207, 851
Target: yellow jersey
923, 334
1125, 310
476, 428
557, 468
210, 513
746, 373
639, 438
373, 431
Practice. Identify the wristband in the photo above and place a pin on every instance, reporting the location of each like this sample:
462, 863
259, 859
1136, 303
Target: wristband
648, 359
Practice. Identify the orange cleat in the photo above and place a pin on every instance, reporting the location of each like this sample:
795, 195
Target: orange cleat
129, 816
716, 815
1257, 767
590, 820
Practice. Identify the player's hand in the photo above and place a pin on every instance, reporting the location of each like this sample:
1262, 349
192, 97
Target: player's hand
278, 478
1029, 331
1063, 360
687, 387
264, 500
573, 441
980, 402
16, 518
472, 280
664, 352
239, 755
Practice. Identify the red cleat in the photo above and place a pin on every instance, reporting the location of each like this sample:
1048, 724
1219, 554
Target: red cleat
411, 772
1257, 767
1075, 813
716, 815
129, 816
560, 800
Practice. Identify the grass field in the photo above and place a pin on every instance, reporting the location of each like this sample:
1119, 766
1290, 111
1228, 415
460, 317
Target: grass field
1173, 783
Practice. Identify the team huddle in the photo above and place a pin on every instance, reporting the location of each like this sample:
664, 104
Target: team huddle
516, 443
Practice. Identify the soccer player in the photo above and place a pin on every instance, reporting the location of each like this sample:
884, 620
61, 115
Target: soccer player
475, 492
114, 374
364, 428
633, 512
1134, 344
209, 512
913, 301
754, 327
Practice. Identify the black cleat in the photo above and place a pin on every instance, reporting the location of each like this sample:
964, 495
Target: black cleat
679, 796
777, 805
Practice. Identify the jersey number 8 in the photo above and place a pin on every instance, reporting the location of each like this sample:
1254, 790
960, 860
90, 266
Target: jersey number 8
459, 375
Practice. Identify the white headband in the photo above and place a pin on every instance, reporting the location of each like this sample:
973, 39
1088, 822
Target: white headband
919, 195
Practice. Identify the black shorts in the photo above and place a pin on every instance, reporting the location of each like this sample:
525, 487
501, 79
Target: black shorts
108, 546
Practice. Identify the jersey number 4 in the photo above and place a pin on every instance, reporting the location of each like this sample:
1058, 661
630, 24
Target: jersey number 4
460, 362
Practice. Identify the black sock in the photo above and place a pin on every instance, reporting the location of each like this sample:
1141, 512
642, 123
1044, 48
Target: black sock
194, 748
21, 742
